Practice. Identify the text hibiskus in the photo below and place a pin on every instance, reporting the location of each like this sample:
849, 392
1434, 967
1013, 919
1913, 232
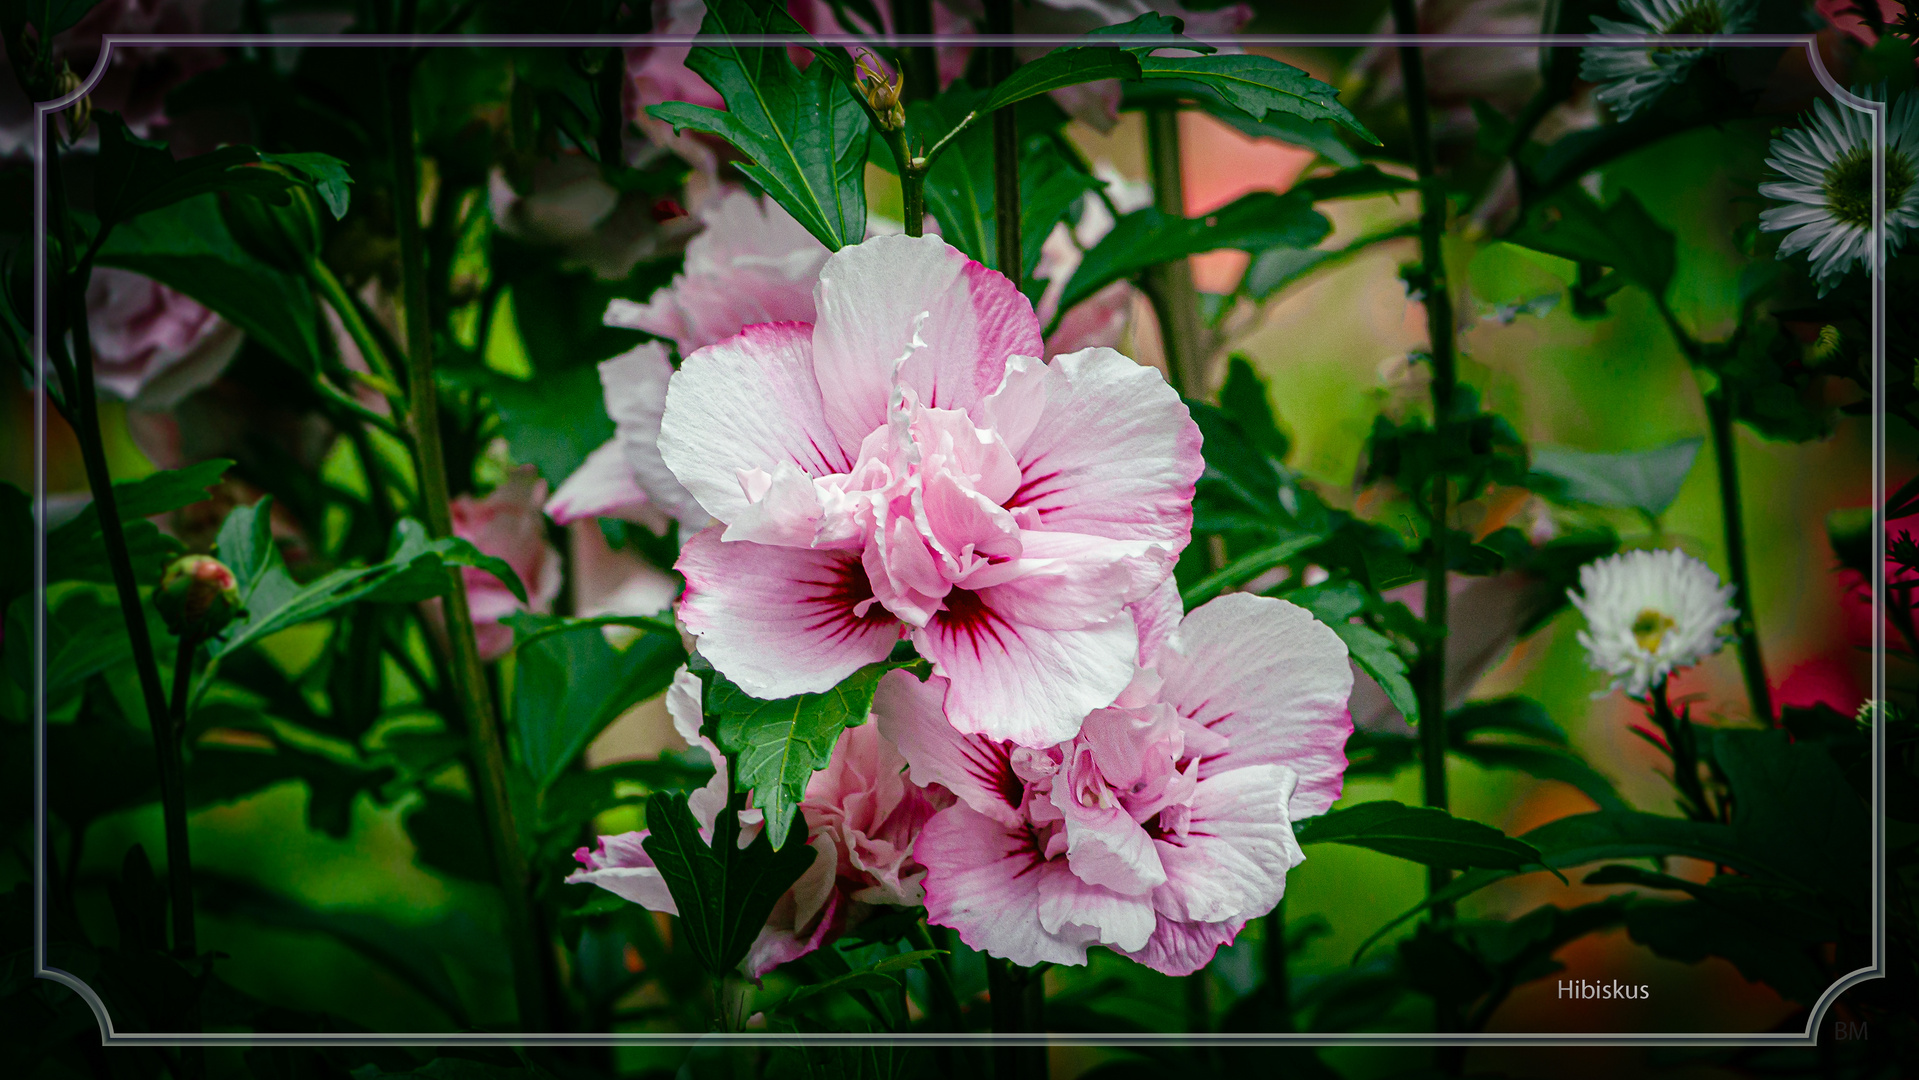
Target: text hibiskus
1588, 990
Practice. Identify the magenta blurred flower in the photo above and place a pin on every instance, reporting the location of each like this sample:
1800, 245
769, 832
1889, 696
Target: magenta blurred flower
1165, 824
862, 819
153, 346
507, 524
907, 468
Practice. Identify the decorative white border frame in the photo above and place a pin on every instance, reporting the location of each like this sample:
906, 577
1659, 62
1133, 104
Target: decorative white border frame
43, 114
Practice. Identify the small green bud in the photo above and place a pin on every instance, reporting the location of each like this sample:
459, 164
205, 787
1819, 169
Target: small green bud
198, 596
286, 237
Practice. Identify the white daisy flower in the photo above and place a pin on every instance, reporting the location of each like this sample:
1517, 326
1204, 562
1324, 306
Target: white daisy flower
1826, 184
1631, 78
1650, 613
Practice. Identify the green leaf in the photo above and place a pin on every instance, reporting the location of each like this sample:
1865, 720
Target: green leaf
326, 173
1692, 930
1320, 136
554, 420
876, 976
186, 247
1423, 834
1246, 568
1643, 480
1376, 656
779, 745
1572, 225
959, 187
1517, 715
1255, 223
1547, 763
401, 949
416, 569
1352, 183
570, 684
1069, 66
1257, 85
1245, 399
85, 635
137, 175
723, 892
805, 133
1793, 808
76, 549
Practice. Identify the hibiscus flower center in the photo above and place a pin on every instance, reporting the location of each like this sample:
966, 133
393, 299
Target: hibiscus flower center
1848, 186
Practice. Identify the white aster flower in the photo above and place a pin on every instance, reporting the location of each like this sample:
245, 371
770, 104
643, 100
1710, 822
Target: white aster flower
1826, 184
1650, 613
1632, 78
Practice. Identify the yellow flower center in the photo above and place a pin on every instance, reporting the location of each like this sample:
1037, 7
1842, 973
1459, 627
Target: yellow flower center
1649, 629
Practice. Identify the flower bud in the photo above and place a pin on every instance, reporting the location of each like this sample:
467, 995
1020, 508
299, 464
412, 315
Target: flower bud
286, 237
882, 94
197, 597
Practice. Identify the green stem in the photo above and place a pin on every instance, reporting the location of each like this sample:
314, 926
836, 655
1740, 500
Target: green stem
999, 20
485, 739
1682, 743
180, 887
1430, 669
71, 303
341, 301
1018, 1000
946, 1005
1752, 663
912, 182
1279, 990
1170, 284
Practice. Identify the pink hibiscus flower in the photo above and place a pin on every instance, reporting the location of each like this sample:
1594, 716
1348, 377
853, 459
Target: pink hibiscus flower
1165, 824
862, 819
507, 524
907, 468
153, 346
751, 263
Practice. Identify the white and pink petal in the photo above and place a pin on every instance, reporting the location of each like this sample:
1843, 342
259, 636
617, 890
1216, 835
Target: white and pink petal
780, 621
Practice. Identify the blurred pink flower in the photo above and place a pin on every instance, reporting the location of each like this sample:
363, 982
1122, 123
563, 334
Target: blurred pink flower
1165, 824
153, 346
569, 205
862, 819
507, 524
1456, 75
1100, 320
906, 467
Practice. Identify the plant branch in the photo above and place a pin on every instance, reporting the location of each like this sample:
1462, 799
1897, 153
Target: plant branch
83, 400
1430, 669
1170, 284
485, 739
1018, 999
1682, 744
1752, 663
